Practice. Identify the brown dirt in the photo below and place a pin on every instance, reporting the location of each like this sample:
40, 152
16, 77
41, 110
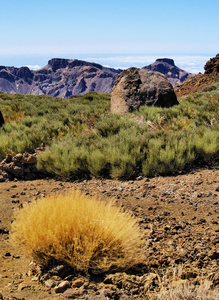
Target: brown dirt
178, 215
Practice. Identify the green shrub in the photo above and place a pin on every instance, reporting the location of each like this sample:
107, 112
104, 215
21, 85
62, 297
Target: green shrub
82, 138
210, 88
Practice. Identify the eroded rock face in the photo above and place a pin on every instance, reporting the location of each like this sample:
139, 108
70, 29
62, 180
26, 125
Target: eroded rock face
60, 77
136, 87
2, 121
212, 65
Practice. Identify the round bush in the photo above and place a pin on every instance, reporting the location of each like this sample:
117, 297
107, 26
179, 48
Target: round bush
84, 232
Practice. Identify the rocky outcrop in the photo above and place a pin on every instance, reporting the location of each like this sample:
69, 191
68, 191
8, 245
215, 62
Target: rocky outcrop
167, 67
2, 121
60, 77
212, 66
197, 82
20, 166
136, 87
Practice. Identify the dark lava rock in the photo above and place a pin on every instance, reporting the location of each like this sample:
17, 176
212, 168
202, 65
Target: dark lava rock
25, 73
136, 87
57, 63
2, 121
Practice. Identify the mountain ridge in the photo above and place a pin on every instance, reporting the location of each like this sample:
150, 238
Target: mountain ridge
65, 77
60, 77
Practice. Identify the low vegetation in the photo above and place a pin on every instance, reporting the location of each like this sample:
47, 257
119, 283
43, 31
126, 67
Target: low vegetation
81, 138
187, 291
82, 231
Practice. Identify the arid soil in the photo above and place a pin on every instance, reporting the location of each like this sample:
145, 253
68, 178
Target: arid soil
178, 216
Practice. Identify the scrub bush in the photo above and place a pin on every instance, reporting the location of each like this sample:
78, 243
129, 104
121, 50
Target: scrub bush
86, 233
81, 138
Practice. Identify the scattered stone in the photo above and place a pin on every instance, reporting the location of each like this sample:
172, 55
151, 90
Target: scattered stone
62, 287
61, 270
50, 283
20, 166
73, 293
78, 282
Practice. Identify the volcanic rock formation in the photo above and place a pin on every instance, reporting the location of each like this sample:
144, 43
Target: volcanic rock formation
199, 81
167, 67
61, 77
136, 87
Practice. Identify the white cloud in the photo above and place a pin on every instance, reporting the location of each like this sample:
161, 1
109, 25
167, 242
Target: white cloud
190, 63
33, 67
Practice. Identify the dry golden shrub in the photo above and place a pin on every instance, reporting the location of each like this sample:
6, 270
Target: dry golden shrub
82, 231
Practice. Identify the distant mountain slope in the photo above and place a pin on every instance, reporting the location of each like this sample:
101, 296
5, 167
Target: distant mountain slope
61, 77
167, 67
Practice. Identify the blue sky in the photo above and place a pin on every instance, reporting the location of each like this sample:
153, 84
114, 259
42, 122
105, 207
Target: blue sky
108, 31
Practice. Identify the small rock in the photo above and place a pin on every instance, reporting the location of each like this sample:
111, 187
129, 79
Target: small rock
74, 293
61, 270
78, 282
107, 293
50, 283
35, 278
62, 287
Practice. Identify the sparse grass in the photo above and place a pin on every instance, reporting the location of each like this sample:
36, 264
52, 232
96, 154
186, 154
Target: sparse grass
84, 232
187, 291
177, 288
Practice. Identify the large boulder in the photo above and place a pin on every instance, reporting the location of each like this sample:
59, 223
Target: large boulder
2, 121
136, 87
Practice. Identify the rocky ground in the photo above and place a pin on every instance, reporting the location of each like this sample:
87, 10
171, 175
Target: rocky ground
178, 215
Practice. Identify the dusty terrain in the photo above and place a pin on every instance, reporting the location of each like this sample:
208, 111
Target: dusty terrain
178, 215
